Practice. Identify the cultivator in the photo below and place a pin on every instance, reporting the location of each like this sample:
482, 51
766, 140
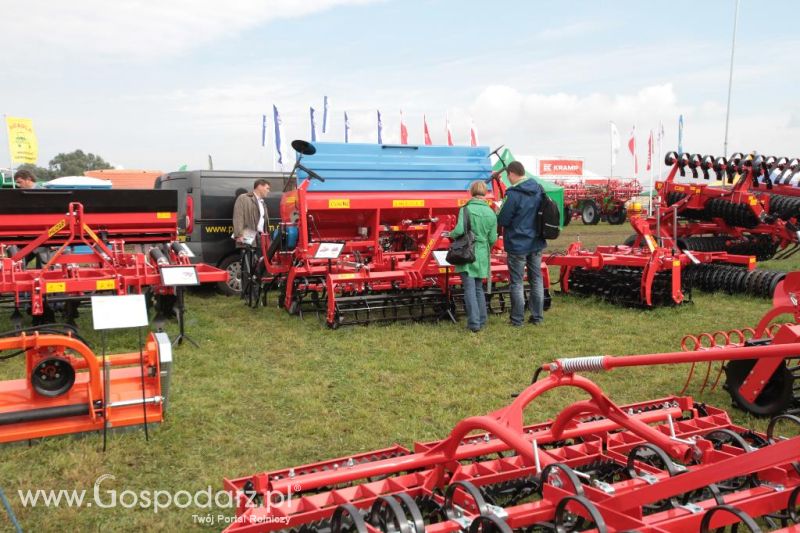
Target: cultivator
646, 271
700, 236
69, 389
670, 464
364, 234
85, 238
747, 214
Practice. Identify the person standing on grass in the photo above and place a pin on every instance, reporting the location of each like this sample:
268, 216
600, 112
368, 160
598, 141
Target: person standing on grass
483, 223
523, 243
250, 218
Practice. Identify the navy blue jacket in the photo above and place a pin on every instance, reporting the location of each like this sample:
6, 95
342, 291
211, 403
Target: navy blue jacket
518, 217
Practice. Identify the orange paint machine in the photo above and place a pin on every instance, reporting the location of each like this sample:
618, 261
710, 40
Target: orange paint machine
67, 388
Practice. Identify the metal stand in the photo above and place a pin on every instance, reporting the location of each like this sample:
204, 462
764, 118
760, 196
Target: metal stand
180, 311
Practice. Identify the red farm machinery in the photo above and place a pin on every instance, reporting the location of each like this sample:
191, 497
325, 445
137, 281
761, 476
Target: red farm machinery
712, 234
364, 234
88, 242
666, 465
598, 199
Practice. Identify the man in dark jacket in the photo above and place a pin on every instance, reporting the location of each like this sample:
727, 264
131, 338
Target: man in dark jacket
523, 243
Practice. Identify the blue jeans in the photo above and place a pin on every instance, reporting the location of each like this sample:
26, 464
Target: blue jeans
516, 269
474, 301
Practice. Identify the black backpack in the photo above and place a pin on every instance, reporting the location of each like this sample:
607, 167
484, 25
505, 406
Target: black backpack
548, 218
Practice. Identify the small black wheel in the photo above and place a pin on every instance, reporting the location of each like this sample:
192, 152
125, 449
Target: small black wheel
567, 216
590, 213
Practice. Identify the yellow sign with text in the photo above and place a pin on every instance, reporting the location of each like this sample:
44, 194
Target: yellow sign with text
105, 285
53, 286
55, 228
408, 203
163, 215
339, 203
22, 143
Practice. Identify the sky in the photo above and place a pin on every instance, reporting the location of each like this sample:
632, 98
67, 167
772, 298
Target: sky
156, 85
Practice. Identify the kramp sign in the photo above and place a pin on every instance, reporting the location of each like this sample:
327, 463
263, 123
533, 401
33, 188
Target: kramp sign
560, 167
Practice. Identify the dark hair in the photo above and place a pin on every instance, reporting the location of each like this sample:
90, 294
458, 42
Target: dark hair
240, 191
259, 182
24, 174
515, 167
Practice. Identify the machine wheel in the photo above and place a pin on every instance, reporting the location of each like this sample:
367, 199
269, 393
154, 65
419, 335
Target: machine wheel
233, 266
567, 216
53, 377
774, 398
617, 217
590, 213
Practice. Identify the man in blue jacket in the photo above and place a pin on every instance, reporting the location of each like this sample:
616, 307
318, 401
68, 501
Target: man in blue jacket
523, 243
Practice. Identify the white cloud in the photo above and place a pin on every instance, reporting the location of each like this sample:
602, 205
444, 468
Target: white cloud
138, 29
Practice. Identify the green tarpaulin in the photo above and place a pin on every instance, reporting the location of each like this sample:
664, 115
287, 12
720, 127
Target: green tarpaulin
552, 190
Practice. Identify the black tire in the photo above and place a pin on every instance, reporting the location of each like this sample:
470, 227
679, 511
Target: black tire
231, 264
590, 213
617, 217
567, 216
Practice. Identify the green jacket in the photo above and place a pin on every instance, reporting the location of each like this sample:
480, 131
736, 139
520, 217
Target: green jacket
484, 228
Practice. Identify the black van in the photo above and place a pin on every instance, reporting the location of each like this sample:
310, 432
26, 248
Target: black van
205, 212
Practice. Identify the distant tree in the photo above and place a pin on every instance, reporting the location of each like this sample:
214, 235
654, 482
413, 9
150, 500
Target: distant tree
76, 163
41, 173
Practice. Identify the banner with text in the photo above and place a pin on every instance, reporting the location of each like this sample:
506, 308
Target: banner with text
22, 143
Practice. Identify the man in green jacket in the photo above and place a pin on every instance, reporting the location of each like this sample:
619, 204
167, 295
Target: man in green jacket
483, 224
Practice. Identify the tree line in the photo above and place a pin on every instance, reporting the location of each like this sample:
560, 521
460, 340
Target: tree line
68, 164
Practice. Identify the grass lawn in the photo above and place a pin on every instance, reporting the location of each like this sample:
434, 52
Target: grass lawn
267, 390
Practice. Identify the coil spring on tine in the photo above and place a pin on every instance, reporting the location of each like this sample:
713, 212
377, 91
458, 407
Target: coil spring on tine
721, 339
591, 363
690, 338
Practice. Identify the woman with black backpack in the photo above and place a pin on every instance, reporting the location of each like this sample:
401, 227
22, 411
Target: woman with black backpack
482, 222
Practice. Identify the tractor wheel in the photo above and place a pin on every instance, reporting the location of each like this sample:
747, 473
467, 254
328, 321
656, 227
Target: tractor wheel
567, 216
617, 217
774, 398
590, 214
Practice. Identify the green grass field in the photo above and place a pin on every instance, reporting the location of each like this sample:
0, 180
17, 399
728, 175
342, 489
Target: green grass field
267, 390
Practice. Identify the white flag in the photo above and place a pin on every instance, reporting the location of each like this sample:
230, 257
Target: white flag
615, 144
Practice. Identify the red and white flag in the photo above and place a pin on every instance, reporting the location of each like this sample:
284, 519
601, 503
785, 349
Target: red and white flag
650, 151
403, 129
632, 148
473, 134
449, 131
426, 133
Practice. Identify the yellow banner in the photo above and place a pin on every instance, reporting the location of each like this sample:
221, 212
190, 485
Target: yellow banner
22, 143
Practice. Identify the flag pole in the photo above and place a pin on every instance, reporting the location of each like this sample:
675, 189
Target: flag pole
650, 156
730, 80
611, 152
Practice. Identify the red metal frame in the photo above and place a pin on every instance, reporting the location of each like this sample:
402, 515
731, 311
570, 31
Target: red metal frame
107, 268
565, 458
